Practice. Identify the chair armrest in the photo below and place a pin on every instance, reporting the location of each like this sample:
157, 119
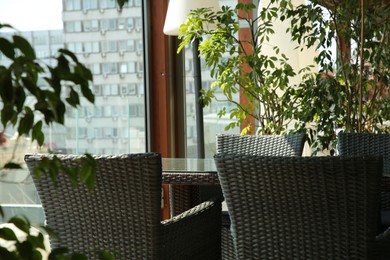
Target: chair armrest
382, 249
195, 233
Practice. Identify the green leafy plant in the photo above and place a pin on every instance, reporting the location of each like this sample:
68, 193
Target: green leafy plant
67, 82
27, 106
350, 93
20, 83
241, 66
21, 240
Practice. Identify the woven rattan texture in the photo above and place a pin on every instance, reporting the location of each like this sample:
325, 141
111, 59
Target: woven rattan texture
194, 178
368, 144
302, 207
267, 145
122, 214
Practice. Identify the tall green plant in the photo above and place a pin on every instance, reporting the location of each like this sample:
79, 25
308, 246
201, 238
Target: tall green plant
26, 105
242, 66
350, 92
67, 82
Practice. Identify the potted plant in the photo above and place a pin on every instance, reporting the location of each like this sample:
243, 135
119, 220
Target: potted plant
19, 85
350, 92
242, 66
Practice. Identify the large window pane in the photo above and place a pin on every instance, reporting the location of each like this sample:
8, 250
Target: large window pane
115, 123
212, 123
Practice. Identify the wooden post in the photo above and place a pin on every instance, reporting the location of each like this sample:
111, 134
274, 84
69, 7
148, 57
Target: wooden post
245, 36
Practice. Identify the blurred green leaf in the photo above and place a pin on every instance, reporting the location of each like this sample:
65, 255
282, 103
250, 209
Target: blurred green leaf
7, 234
37, 133
12, 165
24, 46
21, 222
7, 48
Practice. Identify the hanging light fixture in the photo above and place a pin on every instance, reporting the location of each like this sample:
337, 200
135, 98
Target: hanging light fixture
179, 9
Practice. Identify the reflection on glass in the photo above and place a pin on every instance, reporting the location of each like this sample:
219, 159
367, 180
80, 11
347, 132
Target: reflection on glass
102, 41
212, 123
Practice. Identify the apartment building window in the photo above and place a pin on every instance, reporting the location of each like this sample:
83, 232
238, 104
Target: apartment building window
131, 67
42, 54
114, 90
70, 133
99, 111
133, 89
95, 68
126, 45
121, 23
133, 110
72, 5
138, 24
91, 47
110, 68
107, 4
188, 65
109, 46
90, 4
83, 132
108, 24
130, 3
112, 24
137, 2
140, 66
115, 112
123, 67
125, 111
73, 26
141, 111
98, 132
128, 89
91, 25
56, 39
97, 90
140, 45
115, 132
107, 111
110, 90
76, 47
89, 111
130, 24
40, 40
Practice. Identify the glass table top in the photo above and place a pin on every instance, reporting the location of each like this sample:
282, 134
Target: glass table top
188, 165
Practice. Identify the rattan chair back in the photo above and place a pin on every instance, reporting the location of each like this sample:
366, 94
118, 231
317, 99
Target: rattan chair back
122, 214
369, 144
267, 145
301, 207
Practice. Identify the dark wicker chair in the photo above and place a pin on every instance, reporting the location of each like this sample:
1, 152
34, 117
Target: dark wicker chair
122, 214
266, 145
370, 144
302, 207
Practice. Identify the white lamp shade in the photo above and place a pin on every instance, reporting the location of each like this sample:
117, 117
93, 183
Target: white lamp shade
179, 9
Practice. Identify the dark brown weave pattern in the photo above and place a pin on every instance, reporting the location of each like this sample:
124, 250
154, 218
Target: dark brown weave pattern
123, 212
302, 207
266, 145
368, 144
